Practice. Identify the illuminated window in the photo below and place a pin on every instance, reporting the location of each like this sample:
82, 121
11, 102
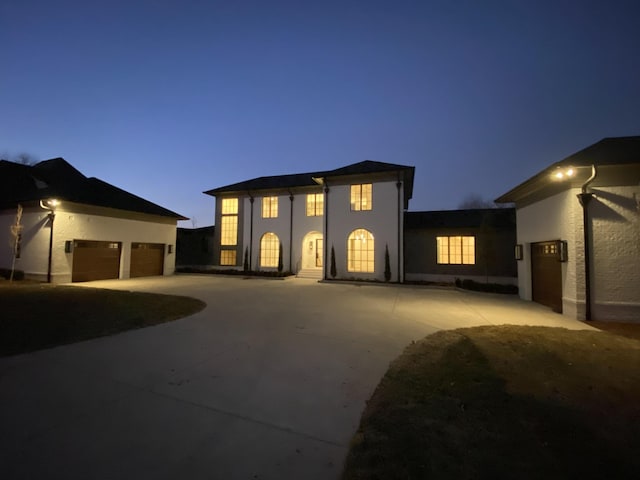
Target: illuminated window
229, 222
269, 250
229, 206
227, 257
361, 197
269, 207
456, 250
360, 251
315, 204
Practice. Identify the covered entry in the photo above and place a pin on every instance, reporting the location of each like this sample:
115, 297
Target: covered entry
546, 274
93, 260
312, 251
147, 259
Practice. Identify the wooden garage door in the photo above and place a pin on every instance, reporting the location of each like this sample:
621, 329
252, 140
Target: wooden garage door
95, 260
147, 259
546, 274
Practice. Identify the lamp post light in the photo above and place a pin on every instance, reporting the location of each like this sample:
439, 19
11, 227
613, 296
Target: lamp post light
584, 197
50, 205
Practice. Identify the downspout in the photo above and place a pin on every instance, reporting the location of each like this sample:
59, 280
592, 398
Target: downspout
326, 230
290, 230
52, 217
251, 199
398, 186
584, 198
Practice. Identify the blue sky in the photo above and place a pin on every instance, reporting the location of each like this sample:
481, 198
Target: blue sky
168, 98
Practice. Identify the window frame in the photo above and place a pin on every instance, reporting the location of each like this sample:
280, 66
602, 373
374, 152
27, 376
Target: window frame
361, 197
272, 249
229, 222
357, 257
227, 262
316, 204
456, 249
270, 207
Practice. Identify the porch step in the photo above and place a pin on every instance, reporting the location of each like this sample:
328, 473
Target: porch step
310, 273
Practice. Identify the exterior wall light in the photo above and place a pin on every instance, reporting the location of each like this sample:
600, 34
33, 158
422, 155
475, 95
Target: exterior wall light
563, 173
518, 252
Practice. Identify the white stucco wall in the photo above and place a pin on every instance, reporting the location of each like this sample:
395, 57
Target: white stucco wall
615, 217
281, 226
381, 221
73, 222
555, 218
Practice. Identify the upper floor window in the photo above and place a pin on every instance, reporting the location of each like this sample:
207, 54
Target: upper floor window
457, 250
360, 251
315, 204
269, 207
361, 197
229, 222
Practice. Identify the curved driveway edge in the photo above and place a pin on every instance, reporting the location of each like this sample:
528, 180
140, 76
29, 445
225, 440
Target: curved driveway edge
268, 382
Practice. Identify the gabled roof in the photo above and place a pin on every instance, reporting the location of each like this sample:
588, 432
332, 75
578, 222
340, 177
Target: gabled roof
608, 152
57, 178
469, 218
313, 178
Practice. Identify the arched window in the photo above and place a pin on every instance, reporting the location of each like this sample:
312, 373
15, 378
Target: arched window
360, 251
269, 249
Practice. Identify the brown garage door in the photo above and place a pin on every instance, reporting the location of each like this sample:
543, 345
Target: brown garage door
95, 260
546, 274
147, 259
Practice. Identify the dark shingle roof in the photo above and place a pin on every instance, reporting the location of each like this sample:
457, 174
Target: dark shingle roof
607, 152
308, 179
57, 178
493, 217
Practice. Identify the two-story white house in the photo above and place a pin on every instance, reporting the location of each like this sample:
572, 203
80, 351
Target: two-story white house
293, 222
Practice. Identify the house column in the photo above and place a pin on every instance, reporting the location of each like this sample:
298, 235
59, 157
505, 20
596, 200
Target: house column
251, 199
290, 230
326, 231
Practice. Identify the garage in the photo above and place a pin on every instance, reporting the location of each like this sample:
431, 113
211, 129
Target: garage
546, 274
93, 260
147, 259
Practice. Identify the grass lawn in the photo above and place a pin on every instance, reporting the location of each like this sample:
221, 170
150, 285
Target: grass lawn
35, 316
504, 402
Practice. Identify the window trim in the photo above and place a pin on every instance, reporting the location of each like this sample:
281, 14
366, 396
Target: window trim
358, 192
357, 257
317, 204
270, 206
464, 252
273, 251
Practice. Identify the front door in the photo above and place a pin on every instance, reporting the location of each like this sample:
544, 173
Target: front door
318, 252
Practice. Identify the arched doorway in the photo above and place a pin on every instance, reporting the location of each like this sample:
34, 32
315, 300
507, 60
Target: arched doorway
312, 251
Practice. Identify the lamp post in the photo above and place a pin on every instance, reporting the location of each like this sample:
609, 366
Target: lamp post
50, 205
584, 197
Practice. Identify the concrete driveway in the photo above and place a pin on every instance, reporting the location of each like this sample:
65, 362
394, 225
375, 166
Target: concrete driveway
268, 382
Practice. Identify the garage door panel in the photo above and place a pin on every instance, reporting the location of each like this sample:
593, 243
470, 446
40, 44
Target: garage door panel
147, 259
95, 260
546, 274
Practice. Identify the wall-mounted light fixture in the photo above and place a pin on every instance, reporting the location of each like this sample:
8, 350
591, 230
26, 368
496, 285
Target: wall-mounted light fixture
68, 246
518, 252
169, 249
564, 250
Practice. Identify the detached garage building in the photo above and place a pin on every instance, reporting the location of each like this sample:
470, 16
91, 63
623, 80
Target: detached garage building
578, 233
75, 229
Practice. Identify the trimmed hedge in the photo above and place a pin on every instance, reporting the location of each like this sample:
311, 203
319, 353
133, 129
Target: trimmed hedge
6, 274
257, 273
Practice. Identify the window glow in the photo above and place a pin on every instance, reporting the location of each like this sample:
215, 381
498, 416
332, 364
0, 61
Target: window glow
360, 251
269, 250
456, 250
227, 257
361, 197
315, 204
229, 222
269, 207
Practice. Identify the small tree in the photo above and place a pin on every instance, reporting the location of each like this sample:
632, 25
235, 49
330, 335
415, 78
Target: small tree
333, 263
16, 237
280, 266
387, 264
246, 259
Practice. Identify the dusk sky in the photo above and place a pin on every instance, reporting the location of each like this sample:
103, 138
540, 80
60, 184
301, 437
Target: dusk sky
166, 99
